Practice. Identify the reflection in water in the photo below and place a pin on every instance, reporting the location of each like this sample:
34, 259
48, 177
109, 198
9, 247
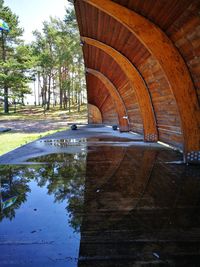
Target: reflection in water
46, 216
140, 211
14, 188
131, 207
63, 177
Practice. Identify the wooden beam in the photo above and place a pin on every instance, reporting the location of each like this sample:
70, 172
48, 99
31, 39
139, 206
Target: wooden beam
119, 104
173, 66
138, 85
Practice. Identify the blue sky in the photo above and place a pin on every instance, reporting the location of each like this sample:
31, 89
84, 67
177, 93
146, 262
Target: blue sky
33, 12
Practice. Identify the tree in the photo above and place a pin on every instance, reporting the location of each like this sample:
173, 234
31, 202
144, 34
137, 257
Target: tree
15, 59
13, 184
59, 58
46, 59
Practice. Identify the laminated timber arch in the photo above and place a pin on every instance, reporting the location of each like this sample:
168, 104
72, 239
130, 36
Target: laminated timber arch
119, 104
172, 64
97, 59
138, 85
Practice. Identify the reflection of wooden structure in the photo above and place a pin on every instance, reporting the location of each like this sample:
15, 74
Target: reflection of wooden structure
149, 51
138, 210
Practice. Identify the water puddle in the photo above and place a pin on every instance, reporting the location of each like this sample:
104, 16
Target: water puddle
41, 209
88, 141
100, 206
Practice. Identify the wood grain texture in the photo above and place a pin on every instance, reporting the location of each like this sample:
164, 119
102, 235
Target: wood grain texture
99, 96
161, 12
94, 114
163, 54
119, 104
114, 34
138, 85
99, 60
170, 61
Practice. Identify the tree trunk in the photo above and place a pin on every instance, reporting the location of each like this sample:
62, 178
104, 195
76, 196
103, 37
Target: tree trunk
79, 85
69, 102
39, 86
79, 102
44, 91
6, 105
49, 93
60, 87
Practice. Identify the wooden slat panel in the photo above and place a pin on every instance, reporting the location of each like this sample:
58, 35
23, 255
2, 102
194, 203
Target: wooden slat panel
163, 101
161, 12
185, 33
94, 115
137, 84
117, 99
99, 96
180, 19
175, 139
110, 32
109, 117
117, 77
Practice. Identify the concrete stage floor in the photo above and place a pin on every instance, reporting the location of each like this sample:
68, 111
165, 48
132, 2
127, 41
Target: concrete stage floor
83, 135
98, 198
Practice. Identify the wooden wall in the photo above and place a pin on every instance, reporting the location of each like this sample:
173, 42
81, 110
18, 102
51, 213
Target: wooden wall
94, 115
112, 71
170, 72
99, 97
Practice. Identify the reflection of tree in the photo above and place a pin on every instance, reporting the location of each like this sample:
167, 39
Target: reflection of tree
64, 177
13, 183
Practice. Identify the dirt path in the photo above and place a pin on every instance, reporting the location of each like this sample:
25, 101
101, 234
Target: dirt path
33, 126
32, 119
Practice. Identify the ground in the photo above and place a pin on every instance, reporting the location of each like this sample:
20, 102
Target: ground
30, 123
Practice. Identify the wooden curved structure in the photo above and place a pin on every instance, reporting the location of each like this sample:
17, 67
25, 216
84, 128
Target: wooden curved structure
102, 101
161, 40
138, 85
94, 115
119, 80
119, 104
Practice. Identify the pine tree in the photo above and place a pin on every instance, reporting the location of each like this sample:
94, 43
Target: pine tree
15, 60
60, 61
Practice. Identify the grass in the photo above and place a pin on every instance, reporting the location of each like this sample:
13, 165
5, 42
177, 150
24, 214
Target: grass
37, 113
14, 140
11, 140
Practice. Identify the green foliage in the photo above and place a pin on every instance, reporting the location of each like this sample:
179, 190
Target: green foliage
59, 59
13, 37
54, 59
63, 176
15, 58
12, 187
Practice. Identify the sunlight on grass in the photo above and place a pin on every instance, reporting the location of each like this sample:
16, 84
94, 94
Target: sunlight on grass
37, 113
10, 141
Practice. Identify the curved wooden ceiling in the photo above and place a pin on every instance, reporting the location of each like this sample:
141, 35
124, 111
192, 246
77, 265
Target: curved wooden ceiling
116, 97
99, 96
161, 39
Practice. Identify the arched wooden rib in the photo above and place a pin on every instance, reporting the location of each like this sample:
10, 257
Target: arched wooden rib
174, 67
94, 114
138, 85
119, 104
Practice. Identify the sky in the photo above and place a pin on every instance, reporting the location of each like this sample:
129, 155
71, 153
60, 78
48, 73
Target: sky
32, 13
